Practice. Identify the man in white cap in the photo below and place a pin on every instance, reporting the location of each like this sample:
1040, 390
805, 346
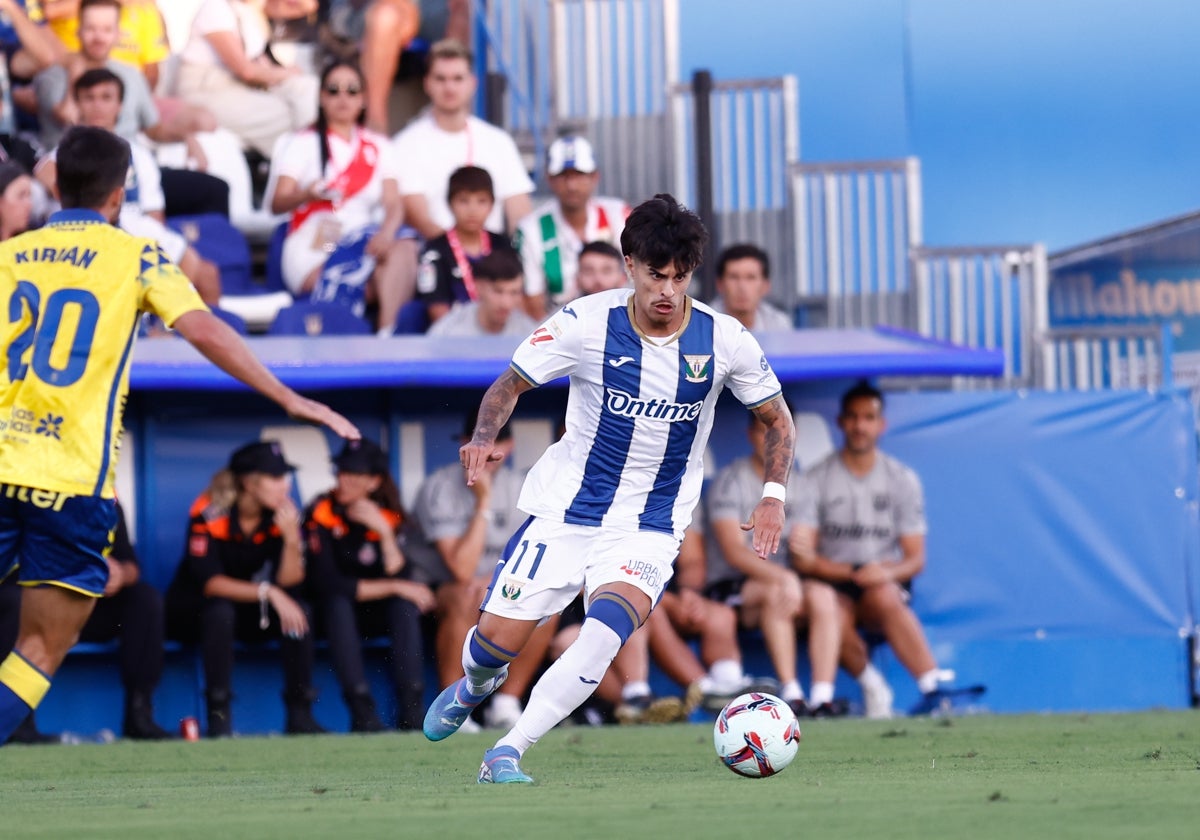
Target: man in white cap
551, 237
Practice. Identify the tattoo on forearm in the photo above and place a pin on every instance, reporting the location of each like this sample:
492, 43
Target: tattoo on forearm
498, 404
780, 440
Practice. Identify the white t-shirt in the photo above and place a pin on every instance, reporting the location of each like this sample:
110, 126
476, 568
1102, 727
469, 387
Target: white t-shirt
767, 318
224, 16
463, 321
544, 236
300, 159
427, 156
639, 411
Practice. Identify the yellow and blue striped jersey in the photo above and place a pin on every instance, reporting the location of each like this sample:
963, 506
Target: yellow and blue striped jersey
71, 297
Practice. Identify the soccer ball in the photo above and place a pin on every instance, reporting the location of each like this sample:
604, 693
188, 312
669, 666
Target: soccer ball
756, 735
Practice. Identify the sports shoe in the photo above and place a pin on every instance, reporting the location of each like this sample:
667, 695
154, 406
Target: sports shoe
650, 709
799, 707
453, 706
877, 702
941, 701
501, 767
833, 709
503, 712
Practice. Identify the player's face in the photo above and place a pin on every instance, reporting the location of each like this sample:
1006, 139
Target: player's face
470, 210
450, 84
99, 105
598, 273
270, 491
98, 31
862, 424
497, 300
342, 96
16, 205
352, 487
658, 296
573, 189
742, 285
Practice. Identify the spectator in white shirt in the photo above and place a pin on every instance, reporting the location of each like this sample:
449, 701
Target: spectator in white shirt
743, 282
447, 136
497, 311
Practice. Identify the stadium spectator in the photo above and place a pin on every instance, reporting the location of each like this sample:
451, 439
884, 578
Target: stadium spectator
378, 31
497, 309
608, 503
767, 592
356, 574
240, 579
551, 238
225, 66
98, 94
57, 528
743, 281
338, 182
449, 136
860, 528
141, 43
446, 275
27, 46
601, 267
469, 527
16, 199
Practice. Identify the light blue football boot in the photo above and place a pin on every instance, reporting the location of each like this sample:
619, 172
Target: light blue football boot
501, 767
453, 706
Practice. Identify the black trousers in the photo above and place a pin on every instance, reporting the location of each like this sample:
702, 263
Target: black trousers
190, 193
349, 622
134, 616
216, 623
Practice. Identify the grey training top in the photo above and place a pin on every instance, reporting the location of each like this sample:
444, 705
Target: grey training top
733, 494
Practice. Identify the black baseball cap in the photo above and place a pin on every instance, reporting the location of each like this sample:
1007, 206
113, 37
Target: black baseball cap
472, 418
363, 457
262, 456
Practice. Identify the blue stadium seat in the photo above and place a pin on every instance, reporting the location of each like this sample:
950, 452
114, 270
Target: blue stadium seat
219, 242
309, 318
275, 259
412, 319
232, 319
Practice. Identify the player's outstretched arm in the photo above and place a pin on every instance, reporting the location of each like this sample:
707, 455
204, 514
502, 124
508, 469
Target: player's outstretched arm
217, 341
494, 410
766, 521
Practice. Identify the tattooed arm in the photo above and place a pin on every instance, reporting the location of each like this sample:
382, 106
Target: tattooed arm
494, 410
766, 521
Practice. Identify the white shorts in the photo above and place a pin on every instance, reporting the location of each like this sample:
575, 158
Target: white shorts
546, 564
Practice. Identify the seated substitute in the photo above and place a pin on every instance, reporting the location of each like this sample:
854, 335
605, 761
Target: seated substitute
357, 580
469, 527
240, 579
860, 527
601, 267
497, 308
743, 282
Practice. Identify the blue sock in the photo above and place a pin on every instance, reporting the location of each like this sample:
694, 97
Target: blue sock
482, 661
22, 687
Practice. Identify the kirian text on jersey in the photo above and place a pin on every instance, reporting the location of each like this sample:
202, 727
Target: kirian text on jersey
627, 405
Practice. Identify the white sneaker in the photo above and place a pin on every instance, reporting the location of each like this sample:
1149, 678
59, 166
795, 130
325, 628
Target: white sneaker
470, 727
877, 702
503, 712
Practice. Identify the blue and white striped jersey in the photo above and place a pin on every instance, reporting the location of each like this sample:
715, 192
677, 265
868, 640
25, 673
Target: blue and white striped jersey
639, 411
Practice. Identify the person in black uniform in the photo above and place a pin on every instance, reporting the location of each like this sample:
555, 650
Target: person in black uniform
131, 611
357, 577
239, 578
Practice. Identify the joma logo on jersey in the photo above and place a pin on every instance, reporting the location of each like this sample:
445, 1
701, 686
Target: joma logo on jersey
697, 368
627, 405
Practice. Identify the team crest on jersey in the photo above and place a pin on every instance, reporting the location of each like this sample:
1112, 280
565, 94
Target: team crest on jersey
697, 367
511, 589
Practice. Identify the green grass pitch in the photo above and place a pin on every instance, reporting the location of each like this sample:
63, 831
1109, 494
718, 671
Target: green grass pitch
1059, 776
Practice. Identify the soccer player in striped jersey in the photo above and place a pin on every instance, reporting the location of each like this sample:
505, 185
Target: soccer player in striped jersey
609, 502
75, 291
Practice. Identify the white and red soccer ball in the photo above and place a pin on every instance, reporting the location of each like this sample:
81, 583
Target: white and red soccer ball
756, 735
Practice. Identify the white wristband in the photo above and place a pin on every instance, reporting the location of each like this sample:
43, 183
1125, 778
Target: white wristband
774, 490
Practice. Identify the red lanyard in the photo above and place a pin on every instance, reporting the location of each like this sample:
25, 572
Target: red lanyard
464, 264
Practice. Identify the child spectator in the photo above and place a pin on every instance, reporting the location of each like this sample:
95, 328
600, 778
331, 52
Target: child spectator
497, 311
447, 275
358, 582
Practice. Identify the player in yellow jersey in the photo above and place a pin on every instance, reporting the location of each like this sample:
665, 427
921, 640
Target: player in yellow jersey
74, 292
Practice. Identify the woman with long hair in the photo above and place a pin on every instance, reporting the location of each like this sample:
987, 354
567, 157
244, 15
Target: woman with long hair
338, 182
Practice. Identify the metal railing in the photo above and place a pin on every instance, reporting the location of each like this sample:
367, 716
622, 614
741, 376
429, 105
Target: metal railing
1106, 357
854, 226
993, 297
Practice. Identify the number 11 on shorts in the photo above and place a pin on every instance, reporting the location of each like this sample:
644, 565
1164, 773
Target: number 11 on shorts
537, 560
